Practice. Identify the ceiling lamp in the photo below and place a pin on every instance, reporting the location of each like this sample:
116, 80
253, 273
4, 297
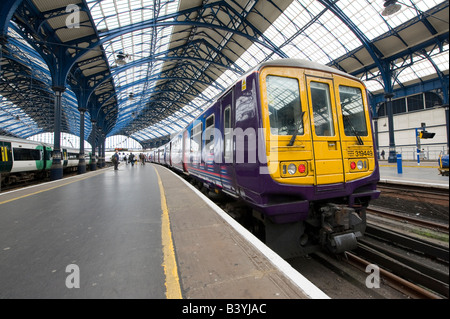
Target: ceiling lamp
390, 7
121, 58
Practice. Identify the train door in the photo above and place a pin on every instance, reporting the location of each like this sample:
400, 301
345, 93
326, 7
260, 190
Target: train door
186, 150
65, 158
227, 176
6, 162
327, 144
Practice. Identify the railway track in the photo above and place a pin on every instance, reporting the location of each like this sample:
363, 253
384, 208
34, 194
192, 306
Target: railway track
411, 267
422, 264
404, 218
432, 195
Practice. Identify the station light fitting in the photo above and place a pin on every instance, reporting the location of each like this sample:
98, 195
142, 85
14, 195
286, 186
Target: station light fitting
121, 58
390, 7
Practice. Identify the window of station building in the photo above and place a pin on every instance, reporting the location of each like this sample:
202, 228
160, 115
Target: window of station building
432, 100
415, 102
21, 154
399, 106
381, 109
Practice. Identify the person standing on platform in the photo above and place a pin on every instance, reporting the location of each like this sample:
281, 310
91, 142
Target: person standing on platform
131, 159
115, 160
382, 154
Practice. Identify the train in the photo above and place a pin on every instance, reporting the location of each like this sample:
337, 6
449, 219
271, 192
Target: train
292, 140
23, 160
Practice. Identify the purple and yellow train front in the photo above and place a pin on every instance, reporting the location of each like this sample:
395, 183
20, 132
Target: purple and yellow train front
292, 139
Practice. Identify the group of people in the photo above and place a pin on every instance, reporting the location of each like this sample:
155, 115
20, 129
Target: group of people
128, 159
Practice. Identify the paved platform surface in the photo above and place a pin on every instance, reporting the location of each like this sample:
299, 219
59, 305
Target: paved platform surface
426, 174
214, 260
101, 235
107, 223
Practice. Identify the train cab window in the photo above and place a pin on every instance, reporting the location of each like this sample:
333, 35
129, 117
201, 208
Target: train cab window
321, 105
353, 113
285, 111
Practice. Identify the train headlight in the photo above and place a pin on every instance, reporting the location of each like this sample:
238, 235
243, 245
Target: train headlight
360, 165
292, 169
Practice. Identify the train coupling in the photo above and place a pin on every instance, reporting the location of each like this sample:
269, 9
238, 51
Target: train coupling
341, 226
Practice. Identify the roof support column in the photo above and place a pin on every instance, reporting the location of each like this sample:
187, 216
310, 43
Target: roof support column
56, 172
93, 165
103, 164
448, 130
101, 157
82, 162
390, 112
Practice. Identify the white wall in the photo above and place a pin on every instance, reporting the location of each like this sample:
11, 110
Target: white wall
404, 132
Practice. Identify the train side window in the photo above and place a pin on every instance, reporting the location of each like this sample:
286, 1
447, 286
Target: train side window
23, 154
321, 105
73, 156
196, 138
209, 133
353, 113
285, 110
228, 134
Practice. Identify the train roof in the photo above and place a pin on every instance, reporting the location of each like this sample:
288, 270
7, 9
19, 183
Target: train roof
4, 138
299, 63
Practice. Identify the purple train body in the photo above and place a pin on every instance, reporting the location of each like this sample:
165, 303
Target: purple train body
293, 140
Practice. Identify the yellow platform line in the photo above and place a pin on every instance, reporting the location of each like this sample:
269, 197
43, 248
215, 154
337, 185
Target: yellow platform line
50, 188
173, 290
411, 166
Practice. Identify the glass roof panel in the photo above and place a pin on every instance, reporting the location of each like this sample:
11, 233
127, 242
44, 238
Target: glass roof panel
135, 46
306, 29
13, 119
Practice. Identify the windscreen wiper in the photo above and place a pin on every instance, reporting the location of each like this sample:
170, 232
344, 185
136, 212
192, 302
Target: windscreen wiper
349, 122
294, 136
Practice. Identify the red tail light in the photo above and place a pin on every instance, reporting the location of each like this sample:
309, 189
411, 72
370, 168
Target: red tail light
301, 168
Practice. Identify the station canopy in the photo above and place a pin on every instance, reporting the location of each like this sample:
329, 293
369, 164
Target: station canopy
169, 59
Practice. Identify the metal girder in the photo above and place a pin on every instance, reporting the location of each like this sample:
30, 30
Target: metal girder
7, 10
197, 47
423, 86
185, 18
376, 55
59, 55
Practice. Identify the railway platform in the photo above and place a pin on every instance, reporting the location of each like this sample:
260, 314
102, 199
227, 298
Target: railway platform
139, 232
426, 174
